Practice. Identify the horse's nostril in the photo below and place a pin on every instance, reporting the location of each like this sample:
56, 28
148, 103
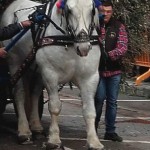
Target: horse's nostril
78, 51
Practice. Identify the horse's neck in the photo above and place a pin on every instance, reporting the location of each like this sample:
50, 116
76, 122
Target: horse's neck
59, 20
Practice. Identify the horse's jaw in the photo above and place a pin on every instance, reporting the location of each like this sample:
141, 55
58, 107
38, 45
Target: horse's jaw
82, 49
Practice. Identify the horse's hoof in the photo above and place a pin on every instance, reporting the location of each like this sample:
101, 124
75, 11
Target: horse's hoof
51, 146
96, 148
25, 140
38, 135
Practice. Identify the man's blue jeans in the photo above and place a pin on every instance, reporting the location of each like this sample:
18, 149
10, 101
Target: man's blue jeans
108, 89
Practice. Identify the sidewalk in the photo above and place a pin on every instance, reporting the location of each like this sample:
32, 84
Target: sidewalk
130, 88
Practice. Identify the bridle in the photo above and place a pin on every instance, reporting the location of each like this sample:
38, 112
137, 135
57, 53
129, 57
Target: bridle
68, 37
82, 36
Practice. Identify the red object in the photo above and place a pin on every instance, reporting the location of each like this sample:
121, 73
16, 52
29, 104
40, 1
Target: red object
58, 4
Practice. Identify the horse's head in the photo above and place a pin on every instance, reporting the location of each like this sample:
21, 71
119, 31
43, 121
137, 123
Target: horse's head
80, 23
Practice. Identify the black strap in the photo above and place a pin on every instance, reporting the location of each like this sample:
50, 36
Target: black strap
62, 40
24, 66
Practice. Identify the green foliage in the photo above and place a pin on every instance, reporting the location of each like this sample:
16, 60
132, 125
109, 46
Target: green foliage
136, 16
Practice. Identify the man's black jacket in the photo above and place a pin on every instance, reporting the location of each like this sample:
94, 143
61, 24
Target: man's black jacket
9, 31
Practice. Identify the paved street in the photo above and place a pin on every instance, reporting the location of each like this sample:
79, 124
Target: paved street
133, 124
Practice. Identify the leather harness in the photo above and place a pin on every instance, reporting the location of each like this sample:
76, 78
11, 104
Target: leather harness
40, 41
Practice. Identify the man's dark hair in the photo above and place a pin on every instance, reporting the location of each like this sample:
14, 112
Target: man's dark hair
107, 3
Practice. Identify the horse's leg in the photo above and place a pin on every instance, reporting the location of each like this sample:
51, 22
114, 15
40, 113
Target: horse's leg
54, 106
54, 109
36, 92
24, 133
88, 89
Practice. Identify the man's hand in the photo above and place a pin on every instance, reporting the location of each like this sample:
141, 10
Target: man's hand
3, 53
36, 17
26, 23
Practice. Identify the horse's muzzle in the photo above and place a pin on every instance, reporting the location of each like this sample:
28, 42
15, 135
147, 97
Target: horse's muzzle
82, 43
82, 49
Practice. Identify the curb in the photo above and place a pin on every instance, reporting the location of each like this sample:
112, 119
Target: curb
142, 90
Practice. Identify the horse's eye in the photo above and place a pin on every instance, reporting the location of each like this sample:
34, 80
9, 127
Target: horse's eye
93, 11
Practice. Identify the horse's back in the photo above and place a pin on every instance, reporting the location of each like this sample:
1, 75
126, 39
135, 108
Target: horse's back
21, 9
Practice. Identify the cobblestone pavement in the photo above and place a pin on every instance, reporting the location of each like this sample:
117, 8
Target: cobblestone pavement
133, 124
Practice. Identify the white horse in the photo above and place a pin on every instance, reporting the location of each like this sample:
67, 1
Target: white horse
77, 63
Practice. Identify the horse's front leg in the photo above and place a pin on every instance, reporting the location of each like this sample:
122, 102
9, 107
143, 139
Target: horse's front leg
88, 88
24, 133
54, 106
36, 92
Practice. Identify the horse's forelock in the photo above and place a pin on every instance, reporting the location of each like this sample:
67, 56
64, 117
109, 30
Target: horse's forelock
78, 2
80, 6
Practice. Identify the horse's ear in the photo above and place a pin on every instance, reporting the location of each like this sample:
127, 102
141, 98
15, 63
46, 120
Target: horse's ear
97, 3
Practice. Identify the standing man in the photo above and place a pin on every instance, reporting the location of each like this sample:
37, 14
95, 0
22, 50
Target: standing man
113, 46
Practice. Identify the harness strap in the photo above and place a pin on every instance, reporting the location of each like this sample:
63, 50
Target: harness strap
25, 65
62, 40
54, 24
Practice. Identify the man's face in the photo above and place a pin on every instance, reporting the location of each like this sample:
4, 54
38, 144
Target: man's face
107, 11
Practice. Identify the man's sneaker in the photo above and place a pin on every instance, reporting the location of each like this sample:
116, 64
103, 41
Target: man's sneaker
113, 137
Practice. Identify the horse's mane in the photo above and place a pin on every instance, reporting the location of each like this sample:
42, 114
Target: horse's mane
4, 4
